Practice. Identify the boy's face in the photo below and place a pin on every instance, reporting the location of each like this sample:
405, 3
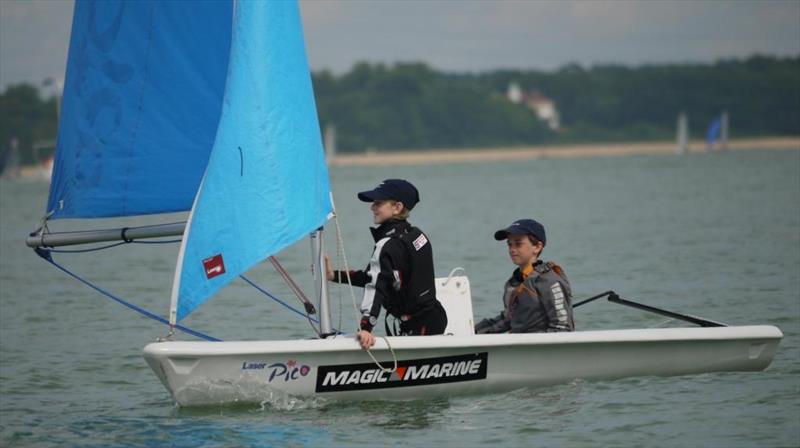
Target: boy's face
522, 251
386, 209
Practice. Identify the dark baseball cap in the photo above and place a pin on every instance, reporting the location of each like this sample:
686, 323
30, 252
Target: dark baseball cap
523, 227
397, 189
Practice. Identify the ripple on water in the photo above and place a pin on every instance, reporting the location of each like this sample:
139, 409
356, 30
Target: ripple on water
659, 230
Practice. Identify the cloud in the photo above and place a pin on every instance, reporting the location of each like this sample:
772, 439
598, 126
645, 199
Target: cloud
469, 35
34, 37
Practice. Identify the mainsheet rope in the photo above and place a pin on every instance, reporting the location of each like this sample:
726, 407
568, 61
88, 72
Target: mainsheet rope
340, 245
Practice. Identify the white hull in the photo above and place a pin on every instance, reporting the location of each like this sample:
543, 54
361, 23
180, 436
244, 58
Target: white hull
198, 373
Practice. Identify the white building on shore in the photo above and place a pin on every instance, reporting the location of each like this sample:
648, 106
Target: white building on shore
544, 108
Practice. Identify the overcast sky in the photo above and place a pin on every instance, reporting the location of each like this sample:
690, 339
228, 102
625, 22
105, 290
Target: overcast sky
467, 35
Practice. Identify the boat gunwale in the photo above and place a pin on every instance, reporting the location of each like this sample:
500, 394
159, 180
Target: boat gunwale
347, 343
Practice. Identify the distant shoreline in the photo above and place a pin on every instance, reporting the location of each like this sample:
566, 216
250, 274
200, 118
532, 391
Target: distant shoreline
418, 157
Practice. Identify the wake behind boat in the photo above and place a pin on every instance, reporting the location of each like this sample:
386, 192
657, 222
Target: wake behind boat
208, 107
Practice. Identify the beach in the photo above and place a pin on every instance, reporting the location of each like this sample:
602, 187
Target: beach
435, 156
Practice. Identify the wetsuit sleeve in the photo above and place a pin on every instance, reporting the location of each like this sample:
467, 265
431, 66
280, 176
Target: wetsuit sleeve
357, 278
498, 324
555, 302
382, 279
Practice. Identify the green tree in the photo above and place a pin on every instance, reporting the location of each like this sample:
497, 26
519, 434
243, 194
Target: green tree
27, 118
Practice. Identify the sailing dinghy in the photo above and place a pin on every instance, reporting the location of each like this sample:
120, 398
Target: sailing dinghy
208, 107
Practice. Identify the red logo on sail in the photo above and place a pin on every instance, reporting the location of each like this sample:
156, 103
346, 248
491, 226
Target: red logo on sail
214, 266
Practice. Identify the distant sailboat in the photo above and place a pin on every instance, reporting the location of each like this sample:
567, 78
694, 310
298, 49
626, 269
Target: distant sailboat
712, 134
717, 134
682, 135
724, 131
10, 167
208, 107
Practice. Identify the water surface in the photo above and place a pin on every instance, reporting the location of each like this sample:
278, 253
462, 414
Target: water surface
715, 235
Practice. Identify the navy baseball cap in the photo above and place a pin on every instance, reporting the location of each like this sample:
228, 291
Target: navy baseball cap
397, 189
523, 227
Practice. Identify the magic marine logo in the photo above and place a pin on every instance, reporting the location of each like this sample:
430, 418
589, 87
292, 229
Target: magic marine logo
412, 372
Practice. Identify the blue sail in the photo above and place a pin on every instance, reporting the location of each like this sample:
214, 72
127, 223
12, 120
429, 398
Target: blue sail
266, 184
142, 99
713, 132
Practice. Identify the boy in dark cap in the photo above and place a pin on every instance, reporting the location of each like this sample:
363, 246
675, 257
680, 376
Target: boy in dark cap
400, 276
537, 298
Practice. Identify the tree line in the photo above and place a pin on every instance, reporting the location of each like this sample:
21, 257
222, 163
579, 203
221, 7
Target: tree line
28, 122
413, 106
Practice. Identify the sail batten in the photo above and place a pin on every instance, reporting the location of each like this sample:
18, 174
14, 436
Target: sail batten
266, 184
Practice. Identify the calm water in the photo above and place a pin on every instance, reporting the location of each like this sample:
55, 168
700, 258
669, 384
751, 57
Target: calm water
712, 235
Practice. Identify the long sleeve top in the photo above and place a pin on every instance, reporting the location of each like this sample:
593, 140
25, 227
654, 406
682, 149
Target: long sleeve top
399, 275
538, 299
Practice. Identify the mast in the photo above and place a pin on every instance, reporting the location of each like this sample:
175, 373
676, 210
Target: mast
321, 282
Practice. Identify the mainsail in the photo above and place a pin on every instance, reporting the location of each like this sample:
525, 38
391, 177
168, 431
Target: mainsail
142, 100
266, 184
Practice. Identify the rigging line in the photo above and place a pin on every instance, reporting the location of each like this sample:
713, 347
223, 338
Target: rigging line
339, 249
340, 243
339, 291
264, 291
156, 242
139, 310
148, 313
83, 251
94, 249
309, 307
291, 283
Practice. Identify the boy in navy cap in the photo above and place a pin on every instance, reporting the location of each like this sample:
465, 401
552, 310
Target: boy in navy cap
400, 276
537, 298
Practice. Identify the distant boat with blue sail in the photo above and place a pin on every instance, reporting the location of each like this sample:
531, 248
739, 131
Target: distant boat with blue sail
717, 133
208, 107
